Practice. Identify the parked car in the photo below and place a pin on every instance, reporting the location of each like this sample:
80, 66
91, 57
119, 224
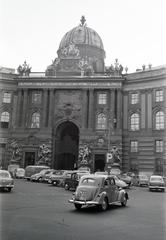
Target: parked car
37, 177
120, 183
72, 182
156, 182
46, 176
58, 179
19, 173
33, 169
143, 180
99, 190
12, 168
6, 181
127, 179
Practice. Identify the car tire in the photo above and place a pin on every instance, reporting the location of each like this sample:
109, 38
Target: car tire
9, 189
66, 186
104, 204
124, 202
78, 206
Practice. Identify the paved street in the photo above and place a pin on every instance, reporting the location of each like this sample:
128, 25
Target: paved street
35, 211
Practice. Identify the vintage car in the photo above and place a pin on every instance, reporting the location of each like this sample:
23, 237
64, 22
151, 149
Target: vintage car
72, 182
120, 183
6, 181
99, 190
143, 180
38, 176
156, 182
33, 169
127, 179
58, 179
19, 173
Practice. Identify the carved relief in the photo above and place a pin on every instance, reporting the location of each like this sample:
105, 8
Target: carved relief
68, 105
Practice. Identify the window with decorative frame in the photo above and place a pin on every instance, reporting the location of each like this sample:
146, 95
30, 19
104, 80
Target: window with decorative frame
7, 97
102, 98
159, 95
35, 121
134, 98
101, 121
5, 120
159, 146
159, 120
36, 97
134, 146
134, 122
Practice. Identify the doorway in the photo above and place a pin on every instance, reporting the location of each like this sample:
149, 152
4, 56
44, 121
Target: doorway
99, 162
66, 146
29, 159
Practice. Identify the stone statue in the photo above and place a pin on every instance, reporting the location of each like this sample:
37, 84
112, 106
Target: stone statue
24, 70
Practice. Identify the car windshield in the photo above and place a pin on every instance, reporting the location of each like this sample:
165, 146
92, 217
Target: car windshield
89, 182
4, 175
143, 177
156, 179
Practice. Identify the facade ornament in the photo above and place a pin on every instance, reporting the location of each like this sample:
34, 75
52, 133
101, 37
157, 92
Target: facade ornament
84, 157
16, 152
24, 70
44, 155
85, 67
115, 70
115, 155
83, 20
70, 51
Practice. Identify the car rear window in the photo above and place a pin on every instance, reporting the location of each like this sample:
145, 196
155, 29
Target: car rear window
89, 181
156, 179
4, 175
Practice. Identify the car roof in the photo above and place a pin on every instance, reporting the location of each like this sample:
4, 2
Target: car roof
3, 171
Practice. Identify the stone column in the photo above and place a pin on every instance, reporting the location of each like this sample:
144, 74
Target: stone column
90, 110
19, 100
50, 115
112, 107
119, 109
24, 108
84, 108
44, 112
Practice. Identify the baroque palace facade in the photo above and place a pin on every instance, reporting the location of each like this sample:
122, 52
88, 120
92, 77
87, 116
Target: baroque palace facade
78, 105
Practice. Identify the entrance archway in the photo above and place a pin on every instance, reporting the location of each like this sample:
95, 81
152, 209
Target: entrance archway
66, 146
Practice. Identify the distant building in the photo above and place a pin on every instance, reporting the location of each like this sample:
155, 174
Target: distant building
79, 109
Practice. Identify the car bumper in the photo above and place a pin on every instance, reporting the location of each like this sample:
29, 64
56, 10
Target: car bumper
83, 202
156, 187
6, 186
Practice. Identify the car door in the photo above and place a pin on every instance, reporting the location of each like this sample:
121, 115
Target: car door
114, 190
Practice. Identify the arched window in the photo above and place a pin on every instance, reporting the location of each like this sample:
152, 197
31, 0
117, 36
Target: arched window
159, 120
35, 121
134, 122
101, 121
5, 120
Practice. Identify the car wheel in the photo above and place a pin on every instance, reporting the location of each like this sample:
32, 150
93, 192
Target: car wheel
66, 186
77, 206
104, 204
9, 189
124, 202
40, 179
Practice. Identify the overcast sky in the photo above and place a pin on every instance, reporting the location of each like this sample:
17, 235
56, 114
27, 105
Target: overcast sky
134, 31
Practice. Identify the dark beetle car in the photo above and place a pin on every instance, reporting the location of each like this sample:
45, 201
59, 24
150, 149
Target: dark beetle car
72, 182
98, 190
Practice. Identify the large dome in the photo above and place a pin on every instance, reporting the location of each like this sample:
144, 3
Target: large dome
81, 47
86, 40
82, 35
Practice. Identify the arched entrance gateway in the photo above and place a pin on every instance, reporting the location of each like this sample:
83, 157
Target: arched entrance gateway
66, 142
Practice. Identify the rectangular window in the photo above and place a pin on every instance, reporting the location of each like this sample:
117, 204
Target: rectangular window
36, 97
134, 98
159, 146
159, 96
7, 97
134, 146
102, 98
